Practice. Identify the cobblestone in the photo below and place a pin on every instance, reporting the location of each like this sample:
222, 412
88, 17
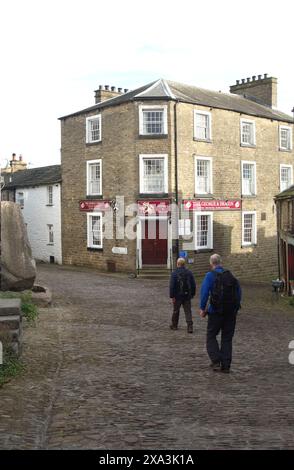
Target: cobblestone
103, 370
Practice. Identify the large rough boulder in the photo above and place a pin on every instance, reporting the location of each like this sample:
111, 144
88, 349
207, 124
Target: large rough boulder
18, 268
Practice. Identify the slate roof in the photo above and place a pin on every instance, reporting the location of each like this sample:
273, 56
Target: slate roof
289, 192
168, 90
35, 177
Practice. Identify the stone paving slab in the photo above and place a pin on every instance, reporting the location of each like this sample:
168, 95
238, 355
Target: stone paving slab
105, 371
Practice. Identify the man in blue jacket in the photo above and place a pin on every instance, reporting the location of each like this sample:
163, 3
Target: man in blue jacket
182, 290
222, 312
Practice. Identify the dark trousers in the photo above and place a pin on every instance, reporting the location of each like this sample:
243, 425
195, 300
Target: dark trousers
187, 309
224, 323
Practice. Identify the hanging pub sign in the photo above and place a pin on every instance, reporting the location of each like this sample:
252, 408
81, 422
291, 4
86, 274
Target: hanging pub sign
212, 205
155, 207
90, 205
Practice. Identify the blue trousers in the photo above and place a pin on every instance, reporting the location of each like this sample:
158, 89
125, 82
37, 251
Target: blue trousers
225, 324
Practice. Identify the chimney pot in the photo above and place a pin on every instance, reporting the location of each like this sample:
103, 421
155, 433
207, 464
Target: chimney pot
13, 156
126, 90
259, 77
106, 87
119, 90
248, 79
243, 80
237, 82
113, 88
254, 77
20, 158
265, 75
100, 87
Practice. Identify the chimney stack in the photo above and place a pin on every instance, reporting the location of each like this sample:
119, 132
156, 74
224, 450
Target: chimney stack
15, 164
263, 89
106, 92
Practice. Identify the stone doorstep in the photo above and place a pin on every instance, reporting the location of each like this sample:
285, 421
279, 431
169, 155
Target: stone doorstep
10, 307
10, 322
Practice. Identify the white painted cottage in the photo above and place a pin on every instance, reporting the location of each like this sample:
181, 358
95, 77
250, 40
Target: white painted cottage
38, 191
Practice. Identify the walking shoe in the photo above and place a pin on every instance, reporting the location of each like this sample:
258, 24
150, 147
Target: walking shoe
173, 327
190, 329
216, 367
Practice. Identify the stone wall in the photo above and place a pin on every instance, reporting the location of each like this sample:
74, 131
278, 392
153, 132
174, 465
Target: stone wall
11, 325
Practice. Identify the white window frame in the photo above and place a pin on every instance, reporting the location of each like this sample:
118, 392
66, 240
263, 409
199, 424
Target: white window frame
184, 227
50, 232
143, 108
49, 202
145, 156
280, 138
210, 244
255, 177
89, 163
282, 165
89, 229
254, 230
247, 121
205, 113
196, 158
91, 118
18, 200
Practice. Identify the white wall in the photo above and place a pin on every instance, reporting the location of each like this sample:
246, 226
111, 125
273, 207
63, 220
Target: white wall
37, 215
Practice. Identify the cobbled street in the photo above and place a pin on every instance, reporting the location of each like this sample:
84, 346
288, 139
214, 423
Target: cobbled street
103, 370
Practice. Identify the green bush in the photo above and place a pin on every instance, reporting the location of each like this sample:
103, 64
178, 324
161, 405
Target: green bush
11, 367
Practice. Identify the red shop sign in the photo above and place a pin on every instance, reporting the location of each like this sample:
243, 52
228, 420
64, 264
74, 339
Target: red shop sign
94, 205
156, 207
212, 205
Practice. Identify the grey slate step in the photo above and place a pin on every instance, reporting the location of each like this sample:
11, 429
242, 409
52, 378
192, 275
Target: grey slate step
10, 307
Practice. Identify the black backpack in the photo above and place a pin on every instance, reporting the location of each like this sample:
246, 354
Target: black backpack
184, 285
224, 295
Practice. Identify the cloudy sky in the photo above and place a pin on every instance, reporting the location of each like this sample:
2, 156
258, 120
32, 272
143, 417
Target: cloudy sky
54, 54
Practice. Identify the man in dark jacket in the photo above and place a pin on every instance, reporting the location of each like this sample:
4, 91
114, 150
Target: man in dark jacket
223, 320
182, 290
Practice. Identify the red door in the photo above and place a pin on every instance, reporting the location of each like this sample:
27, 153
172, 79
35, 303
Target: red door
154, 242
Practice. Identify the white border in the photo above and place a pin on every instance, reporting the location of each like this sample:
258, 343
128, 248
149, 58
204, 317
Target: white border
209, 246
205, 113
248, 121
255, 177
143, 156
282, 165
90, 118
200, 157
254, 241
148, 107
88, 163
291, 138
89, 215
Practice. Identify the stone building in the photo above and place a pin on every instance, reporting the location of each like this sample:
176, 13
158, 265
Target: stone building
221, 157
38, 191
